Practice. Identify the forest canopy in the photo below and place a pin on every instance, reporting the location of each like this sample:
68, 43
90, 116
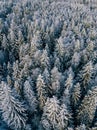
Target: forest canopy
48, 65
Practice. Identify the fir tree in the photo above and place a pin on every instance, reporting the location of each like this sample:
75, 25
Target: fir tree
13, 111
41, 91
88, 107
55, 116
29, 96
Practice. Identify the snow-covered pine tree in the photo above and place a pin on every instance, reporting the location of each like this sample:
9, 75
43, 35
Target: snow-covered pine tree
41, 91
56, 78
87, 72
76, 94
55, 116
29, 96
13, 109
45, 61
86, 110
81, 127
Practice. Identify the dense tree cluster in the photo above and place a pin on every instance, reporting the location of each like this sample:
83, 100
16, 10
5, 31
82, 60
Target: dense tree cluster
48, 65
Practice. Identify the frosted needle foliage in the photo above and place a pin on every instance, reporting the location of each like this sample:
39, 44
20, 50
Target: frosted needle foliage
13, 111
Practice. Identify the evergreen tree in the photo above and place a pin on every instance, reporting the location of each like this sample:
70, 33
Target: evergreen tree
88, 107
56, 80
29, 96
76, 94
55, 116
41, 91
13, 110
